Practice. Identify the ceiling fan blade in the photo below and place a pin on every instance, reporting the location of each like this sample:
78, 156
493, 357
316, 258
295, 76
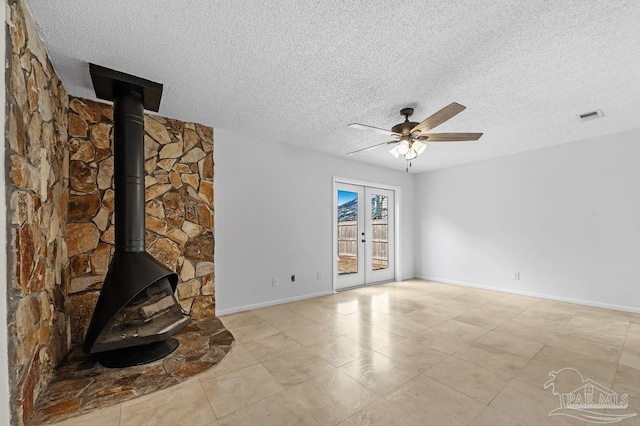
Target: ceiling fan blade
371, 147
449, 137
439, 117
375, 129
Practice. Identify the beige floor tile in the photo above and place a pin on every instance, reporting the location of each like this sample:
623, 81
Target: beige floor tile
343, 324
549, 359
632, 419
374, 290
373, 337
427, 301
495, 306
341, 352
277, 410
441, 341
538, 322
239, 319
476, 382
531, 405
501, 362
492, 417
493, 295
632, 341
311, 310
404, 326
539, 335
551, 311
556, 316
332, 397
547, 306
593, 335
486, 319
429, 317
518, 301
627, 381
446, 291
349, 307
511, 343
239, 389
603, 313
235, 360
378, 372
432, 403
630, 358
282, 318
109, 416
477, 298
413, 354
255, 331
398, 294
169, 407
296, 367
600, 324
635, 319
461, 329
395, 308
272, 346
633, 331
598, 350
458, 304
313, 334
380, 413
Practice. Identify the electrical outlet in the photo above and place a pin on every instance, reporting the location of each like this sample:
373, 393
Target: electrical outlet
516, 275
293, 278
275, 282
318, 276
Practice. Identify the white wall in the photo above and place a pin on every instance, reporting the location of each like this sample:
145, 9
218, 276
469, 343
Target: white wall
566, 217
5, 412
273, 218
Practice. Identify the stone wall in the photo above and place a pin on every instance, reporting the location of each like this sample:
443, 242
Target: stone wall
37, 190
179, 207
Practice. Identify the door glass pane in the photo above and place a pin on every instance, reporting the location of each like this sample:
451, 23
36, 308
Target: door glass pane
347, 232
379, 232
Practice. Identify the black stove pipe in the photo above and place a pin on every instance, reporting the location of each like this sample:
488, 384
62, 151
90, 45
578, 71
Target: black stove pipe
128, 139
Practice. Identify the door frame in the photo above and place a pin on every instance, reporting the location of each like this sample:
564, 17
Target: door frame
334, 225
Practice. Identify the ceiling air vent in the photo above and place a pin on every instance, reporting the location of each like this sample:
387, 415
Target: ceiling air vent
591, 115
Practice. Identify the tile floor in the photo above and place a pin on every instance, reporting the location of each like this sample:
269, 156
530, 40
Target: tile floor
404, 353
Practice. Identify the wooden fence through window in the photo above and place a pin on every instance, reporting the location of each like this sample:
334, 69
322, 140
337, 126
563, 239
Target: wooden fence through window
348, 239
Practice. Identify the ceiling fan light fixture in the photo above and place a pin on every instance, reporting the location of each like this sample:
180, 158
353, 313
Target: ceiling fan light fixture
394, 151
403, 147
411, 154
419, 147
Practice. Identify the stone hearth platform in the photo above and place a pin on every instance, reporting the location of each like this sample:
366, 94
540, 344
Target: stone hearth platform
81, 385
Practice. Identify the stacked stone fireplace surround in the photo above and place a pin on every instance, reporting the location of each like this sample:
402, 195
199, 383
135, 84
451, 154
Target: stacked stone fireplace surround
60, 213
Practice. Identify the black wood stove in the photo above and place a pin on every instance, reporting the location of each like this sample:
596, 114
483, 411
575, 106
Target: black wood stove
136, 313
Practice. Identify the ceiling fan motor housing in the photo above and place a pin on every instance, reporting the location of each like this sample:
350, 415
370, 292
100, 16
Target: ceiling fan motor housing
404, 128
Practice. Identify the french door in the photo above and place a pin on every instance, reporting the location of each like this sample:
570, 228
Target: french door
365, 235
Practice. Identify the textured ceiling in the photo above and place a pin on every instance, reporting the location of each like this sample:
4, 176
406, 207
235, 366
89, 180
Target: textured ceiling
299, 71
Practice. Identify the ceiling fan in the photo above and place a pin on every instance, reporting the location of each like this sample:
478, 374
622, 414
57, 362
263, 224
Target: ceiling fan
410, 137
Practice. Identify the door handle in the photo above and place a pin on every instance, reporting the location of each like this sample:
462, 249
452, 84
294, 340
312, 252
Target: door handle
363, 241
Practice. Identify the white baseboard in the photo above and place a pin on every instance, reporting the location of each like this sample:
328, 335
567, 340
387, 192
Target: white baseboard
220, 312
538, 295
